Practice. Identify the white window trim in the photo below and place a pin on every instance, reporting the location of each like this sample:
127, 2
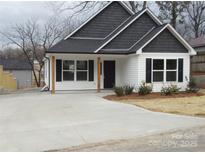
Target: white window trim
65, 70
165, 70
75, 71
157, 71
168, 70
82, 71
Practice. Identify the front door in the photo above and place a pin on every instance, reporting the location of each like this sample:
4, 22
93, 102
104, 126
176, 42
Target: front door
109, 74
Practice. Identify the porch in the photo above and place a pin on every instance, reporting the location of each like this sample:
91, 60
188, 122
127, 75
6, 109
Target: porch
87, 72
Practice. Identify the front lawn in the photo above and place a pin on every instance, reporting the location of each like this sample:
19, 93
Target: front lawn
187, 104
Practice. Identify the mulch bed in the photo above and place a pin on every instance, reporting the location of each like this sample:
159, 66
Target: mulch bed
152, 96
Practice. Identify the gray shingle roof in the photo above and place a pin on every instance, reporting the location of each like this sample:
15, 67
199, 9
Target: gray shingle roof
15, 64
76, 45
71, 45
80, 45
197, 42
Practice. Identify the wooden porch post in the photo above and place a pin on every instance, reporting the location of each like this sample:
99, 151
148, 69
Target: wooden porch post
53, 60
98, 82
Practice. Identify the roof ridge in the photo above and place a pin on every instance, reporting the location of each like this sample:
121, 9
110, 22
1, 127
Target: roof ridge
121, 28
98, 12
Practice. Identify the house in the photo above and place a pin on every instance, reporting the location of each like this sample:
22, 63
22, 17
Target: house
20, 69
117, 47
198, 61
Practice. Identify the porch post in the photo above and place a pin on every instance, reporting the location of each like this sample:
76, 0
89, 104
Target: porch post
53, 60
98, 82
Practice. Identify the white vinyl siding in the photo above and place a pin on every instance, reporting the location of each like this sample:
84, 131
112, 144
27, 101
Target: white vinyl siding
129, 69
157, 86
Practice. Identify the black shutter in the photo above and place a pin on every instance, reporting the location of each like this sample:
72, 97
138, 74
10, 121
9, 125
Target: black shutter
148, 70
91, 70
180, 70
58, 70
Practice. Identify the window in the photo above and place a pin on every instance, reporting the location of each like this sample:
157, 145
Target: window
158, 70
82, 70
171, 70
68, 70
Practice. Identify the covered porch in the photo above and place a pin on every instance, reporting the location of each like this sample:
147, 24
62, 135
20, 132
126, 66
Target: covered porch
86, 72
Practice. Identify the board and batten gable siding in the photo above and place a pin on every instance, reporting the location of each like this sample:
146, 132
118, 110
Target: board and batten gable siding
104, 23
133, 33
158, 85
165, 42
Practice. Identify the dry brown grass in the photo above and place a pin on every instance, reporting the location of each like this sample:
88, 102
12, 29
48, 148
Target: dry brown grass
194, 106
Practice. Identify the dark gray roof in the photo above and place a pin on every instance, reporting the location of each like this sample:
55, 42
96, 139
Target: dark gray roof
88, 45
71, 45
76, 45
15, 64
104, 22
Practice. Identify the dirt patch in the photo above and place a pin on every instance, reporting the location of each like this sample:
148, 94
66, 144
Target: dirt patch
152, 96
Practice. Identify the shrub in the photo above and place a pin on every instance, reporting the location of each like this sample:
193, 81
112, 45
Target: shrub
169, 90
119, 91
144, 89
128, 89
191, 86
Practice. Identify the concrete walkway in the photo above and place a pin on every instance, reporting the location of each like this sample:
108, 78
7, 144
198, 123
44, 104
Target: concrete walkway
41, 121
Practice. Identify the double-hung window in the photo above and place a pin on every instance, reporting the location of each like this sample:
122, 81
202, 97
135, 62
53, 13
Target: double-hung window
82, 70
68, 70
171, 70
158, 70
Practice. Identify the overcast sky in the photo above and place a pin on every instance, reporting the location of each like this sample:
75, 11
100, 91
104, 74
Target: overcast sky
14, 12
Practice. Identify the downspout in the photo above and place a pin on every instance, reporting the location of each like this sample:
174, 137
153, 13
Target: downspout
48, 73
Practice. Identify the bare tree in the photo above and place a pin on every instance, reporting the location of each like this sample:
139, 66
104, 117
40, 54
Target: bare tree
196, 17
84, 7
12, 53
137, 5
34, 40
172, 11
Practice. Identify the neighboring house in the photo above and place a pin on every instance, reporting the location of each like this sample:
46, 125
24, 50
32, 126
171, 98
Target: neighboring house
20, 69
198, 61
116, 47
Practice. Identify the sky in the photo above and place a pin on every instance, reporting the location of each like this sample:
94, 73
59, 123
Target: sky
16, 12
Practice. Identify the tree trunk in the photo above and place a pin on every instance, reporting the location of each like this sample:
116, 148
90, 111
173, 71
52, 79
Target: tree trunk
35, 77
132, 4
144, 4
174, 16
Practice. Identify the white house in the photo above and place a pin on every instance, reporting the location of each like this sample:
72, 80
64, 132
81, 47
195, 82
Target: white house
117, 47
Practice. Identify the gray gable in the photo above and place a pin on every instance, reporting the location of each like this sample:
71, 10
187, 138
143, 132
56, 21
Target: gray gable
133, 33
146, 38
105, 22
165, 42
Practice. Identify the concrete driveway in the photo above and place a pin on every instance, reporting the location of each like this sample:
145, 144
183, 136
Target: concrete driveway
41, 121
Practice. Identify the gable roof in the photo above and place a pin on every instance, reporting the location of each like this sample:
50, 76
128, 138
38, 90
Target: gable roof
15, 64
126, 8
198, 42
90, 45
